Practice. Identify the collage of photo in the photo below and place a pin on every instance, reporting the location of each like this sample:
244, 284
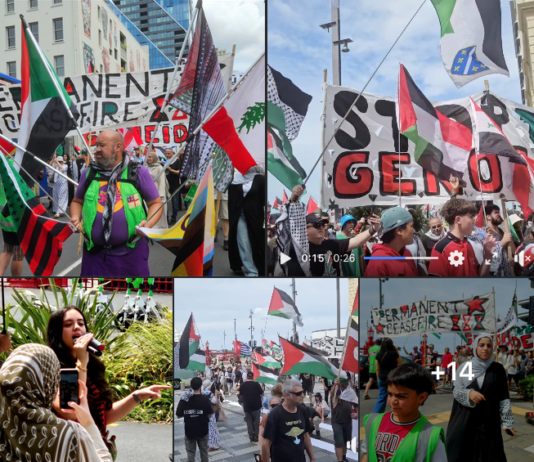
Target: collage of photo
267, 231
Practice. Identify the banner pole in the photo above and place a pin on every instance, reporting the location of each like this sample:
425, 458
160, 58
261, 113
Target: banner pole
41, 161
361, 92
52, 77
178, 60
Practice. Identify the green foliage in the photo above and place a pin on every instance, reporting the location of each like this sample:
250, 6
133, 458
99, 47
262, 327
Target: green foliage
144, 357
137, 358
527, 388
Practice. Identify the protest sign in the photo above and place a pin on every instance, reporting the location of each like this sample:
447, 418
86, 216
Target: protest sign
362, 164
521, 337
111, 101
471, 315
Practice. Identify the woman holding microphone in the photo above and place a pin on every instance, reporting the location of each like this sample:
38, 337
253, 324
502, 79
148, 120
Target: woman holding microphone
65, 335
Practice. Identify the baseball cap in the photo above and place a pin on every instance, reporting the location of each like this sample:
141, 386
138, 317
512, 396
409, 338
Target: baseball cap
431, 346
312, 219
393, 218
345, 219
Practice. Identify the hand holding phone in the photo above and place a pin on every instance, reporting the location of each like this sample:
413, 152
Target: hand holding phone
80, 407
68, 388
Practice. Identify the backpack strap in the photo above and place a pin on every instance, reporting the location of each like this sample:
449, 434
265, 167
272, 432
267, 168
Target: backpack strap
132, 177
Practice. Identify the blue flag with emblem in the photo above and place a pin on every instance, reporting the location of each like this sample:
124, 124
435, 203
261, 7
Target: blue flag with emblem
471, 42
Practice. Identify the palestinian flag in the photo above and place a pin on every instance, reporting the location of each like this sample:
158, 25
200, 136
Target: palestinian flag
287, 106
489, 138
312, 206
90, 67
264, 375
350, 361
191, 357
284, 197
282, 305
285, 95
300, 360
481, 217
238, 126
267, 360
281, 162
442, 145
44, 121
471, 42
41, 237
315, 350
276, 204
275, 347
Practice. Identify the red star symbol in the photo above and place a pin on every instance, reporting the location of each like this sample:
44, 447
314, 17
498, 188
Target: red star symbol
475, 305
379, 329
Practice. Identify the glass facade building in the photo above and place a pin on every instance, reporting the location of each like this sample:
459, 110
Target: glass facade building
161, 24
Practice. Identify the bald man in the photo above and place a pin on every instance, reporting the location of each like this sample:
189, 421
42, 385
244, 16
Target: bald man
114, 248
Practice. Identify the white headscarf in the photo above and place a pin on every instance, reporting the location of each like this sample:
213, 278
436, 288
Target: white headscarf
478, 365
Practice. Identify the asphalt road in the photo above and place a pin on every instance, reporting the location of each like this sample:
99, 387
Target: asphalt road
437, 410
160, 260
138, 442
235, 444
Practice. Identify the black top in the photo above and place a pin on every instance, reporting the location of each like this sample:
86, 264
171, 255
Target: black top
286, 430
486, 443
172, 178
196, 414
318, 256
341, 413
251, 393
387, 361
307, 381
311, 412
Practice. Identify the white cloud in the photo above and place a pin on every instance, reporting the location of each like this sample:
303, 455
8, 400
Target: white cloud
240, 22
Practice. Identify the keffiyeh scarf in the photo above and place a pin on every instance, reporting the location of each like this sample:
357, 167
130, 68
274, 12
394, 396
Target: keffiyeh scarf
291, 227
112, 176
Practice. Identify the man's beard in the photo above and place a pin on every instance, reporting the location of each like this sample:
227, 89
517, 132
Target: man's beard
497, 221
109, 162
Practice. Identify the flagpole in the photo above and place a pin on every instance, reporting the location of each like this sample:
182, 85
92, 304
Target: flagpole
52, 77
181, 186
178, 60
361, 93
41, 161
48, 195
344, 346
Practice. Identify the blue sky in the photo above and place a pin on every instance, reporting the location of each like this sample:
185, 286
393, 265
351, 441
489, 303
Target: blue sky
215, 304
400, 291
300, 50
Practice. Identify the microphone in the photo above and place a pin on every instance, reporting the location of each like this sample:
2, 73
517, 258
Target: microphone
94, 345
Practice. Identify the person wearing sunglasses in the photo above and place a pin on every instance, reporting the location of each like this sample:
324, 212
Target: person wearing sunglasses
326, 255
287, 431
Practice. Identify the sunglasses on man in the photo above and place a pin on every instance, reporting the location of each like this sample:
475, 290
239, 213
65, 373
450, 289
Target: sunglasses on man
436, 226
297, 393
319, 225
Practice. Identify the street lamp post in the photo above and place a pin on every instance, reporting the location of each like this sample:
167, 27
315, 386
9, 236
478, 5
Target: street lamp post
335, 25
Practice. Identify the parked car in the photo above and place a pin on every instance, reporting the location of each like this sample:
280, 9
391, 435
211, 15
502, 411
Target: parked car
364, 369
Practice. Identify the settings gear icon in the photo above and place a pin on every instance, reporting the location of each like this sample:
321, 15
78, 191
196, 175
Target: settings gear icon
456, 258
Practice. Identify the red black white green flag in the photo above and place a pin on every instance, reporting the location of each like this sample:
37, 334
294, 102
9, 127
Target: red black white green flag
442, 145
41, 237
266, 360
190, 355
44, 121
350, 362
282, 305
264, 375
300, 360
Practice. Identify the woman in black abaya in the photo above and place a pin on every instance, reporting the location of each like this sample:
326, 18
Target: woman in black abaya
246, 237
481, 407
